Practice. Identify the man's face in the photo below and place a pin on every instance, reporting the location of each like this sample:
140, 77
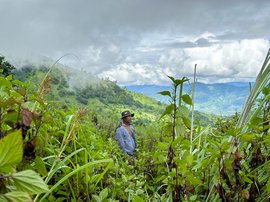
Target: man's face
128, 119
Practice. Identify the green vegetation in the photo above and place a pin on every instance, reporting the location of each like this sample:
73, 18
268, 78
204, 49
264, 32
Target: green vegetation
58, 144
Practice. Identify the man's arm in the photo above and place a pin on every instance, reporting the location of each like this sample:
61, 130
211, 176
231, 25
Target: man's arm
120, 140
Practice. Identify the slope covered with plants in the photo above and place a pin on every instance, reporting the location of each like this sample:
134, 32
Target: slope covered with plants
57, 143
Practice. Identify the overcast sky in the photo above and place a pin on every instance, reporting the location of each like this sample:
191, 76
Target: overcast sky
142, 41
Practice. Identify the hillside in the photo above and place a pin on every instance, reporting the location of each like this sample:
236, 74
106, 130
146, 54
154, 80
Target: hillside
103, 95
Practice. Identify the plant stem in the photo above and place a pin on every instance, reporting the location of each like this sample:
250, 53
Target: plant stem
192, 111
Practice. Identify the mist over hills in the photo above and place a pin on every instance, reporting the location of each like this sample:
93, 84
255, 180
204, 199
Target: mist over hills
218, 98
76, 76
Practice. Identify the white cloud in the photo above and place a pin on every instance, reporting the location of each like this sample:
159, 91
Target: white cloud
223, 62
237, 60
129, 73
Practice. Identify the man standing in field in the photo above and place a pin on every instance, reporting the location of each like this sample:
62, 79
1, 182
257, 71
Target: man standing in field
125, 134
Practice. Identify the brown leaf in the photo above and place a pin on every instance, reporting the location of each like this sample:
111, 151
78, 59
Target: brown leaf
27, 117
245, 194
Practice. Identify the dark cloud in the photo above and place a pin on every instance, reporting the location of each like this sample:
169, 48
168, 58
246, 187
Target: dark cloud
105, 33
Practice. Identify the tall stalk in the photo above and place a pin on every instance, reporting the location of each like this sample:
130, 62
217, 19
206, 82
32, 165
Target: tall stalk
46, 80
172, 110
192, 108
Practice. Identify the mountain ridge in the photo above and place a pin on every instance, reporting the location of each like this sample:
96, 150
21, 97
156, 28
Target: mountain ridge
216, 98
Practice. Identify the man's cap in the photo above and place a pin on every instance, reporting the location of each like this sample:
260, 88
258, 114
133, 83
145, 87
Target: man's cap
126, 114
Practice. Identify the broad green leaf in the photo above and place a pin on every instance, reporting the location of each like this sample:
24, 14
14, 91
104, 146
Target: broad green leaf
232, 132
187, 122
138, 198
247, 137
197, 166
16, 95
193, 198
177, 82
19, 83
168, 110
183, 110
5, 82
187, 99
163, 145
225, 146
10, 101
181, 129
246, 179
41, 166
9, 77
189, 158
2, 197
96, 198
193, 180
60, 199
11, 150
170, 77
165, 93
17, 196
228, 164
12, 117
256, 120
268, 186
266, 90
185, 144
29, 181
176, 141
180, 81
160, 178
104, 194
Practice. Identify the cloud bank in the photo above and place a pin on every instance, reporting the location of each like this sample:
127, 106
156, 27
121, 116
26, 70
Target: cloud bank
138, 42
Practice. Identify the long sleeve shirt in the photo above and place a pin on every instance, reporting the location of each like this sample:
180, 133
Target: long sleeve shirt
126, 138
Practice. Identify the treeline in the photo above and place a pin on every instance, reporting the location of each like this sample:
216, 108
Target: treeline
105, 91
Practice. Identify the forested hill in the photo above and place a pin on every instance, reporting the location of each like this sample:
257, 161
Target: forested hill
217, 98
104, 96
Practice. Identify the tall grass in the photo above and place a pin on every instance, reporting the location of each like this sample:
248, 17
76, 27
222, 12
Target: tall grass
261, 81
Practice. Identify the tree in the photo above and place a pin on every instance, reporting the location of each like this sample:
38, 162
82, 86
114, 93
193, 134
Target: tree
6, 66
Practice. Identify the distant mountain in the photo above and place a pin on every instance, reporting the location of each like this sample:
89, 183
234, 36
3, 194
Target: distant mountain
219, 98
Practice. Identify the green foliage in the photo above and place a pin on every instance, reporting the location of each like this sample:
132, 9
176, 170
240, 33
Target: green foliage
11, 151
66, 136
7, 68
18, 185
107, 92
